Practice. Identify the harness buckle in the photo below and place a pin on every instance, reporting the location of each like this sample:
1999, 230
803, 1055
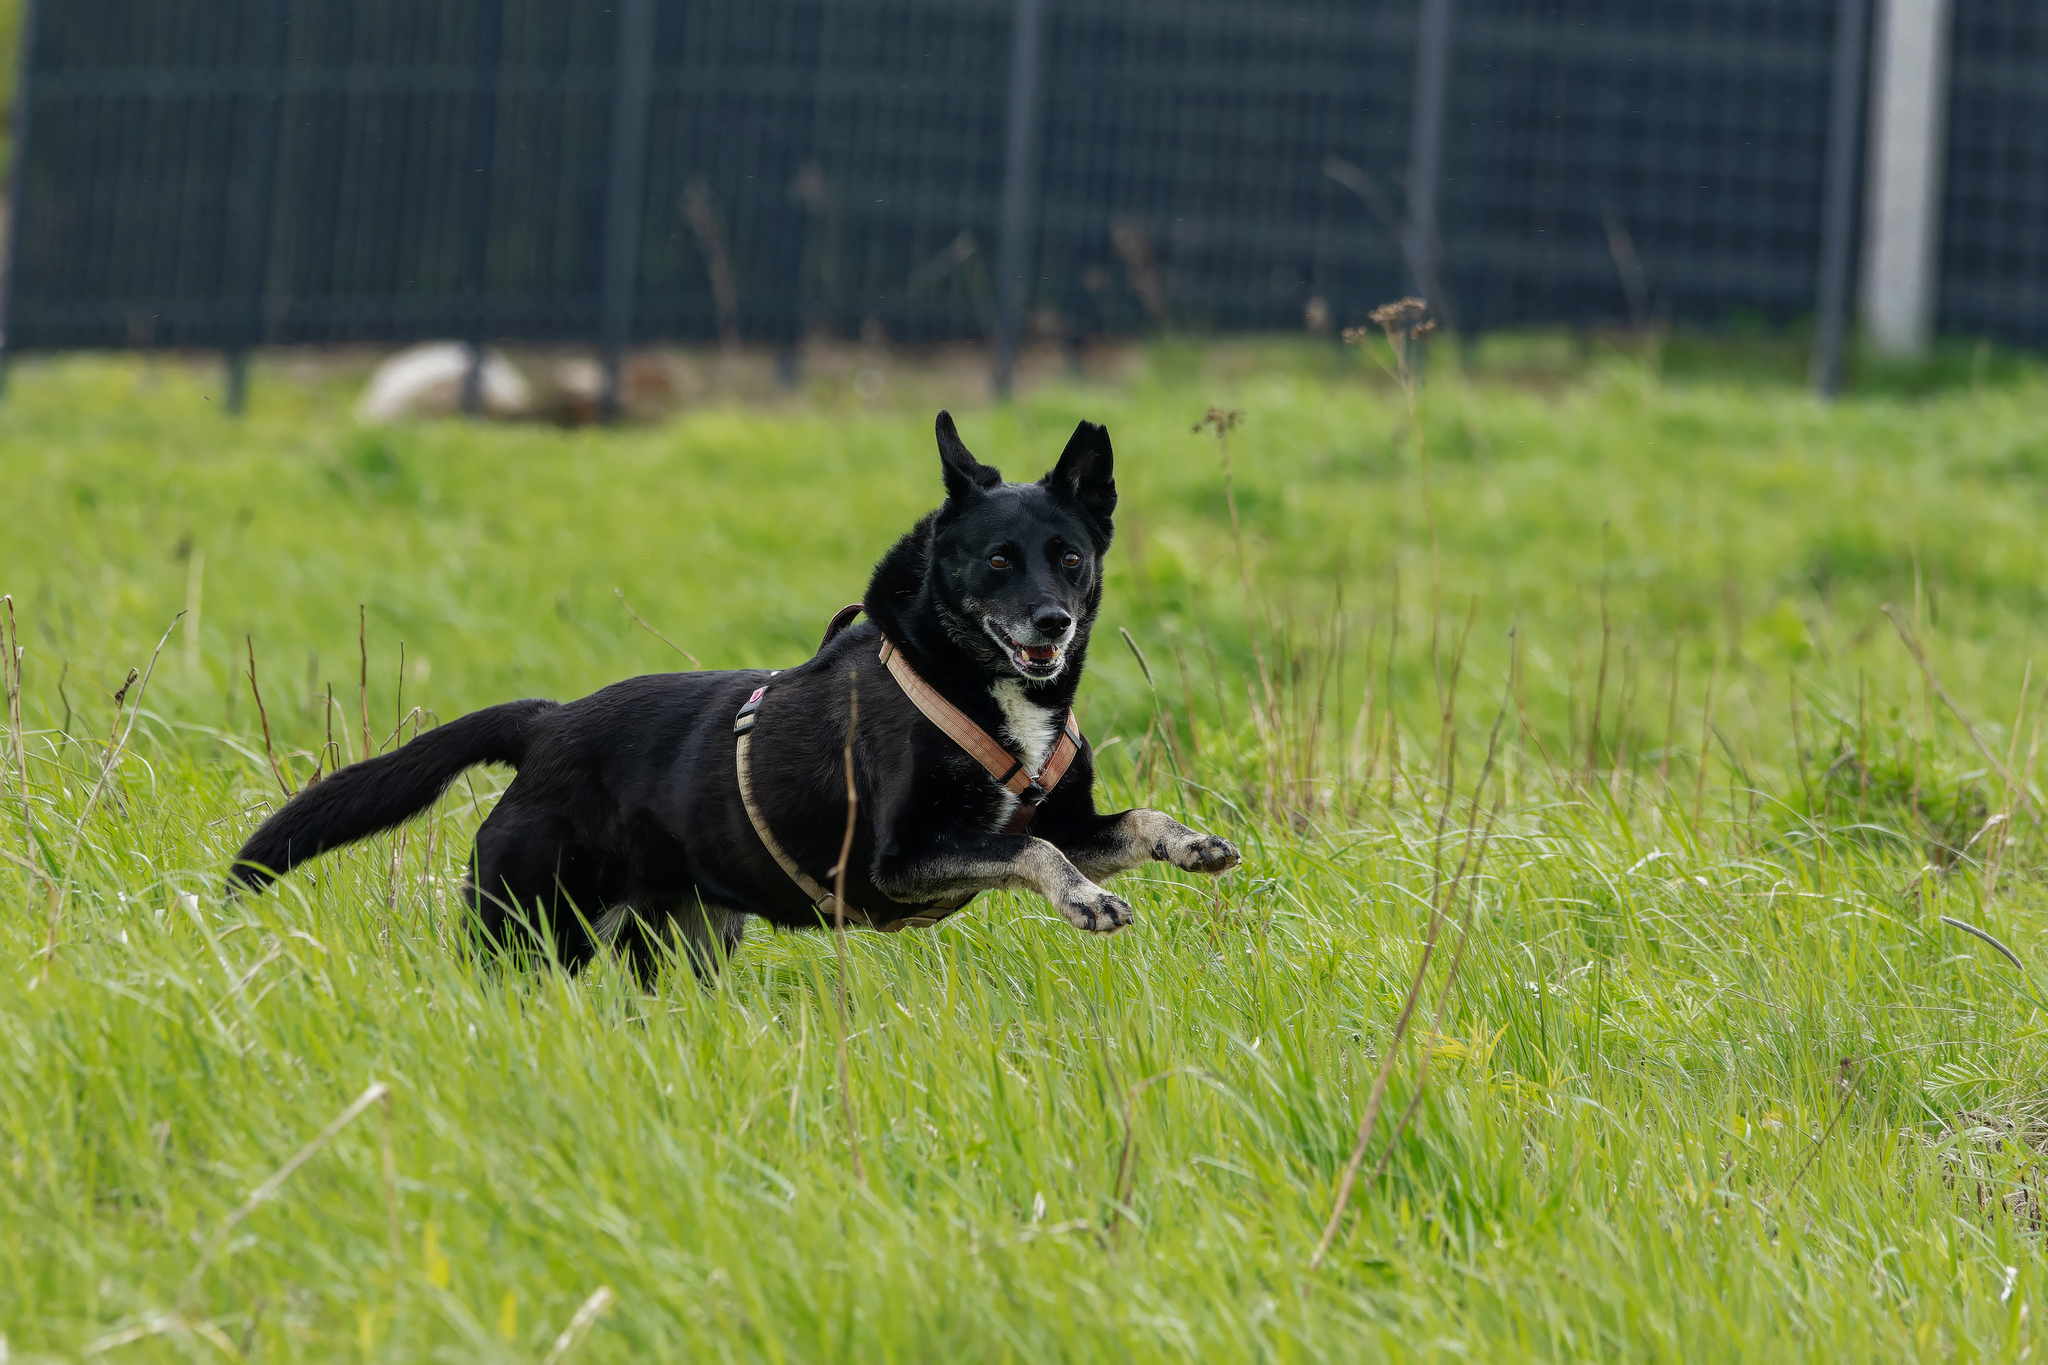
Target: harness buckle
744, 722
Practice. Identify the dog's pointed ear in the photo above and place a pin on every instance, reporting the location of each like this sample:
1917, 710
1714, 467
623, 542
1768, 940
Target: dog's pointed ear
966, 477
1086, 471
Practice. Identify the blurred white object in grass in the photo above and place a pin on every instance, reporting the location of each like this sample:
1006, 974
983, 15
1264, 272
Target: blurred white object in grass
426, 381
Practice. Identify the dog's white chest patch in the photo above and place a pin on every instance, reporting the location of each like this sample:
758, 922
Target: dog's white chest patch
1028, 728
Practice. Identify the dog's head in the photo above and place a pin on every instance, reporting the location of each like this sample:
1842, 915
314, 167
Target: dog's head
1016, 568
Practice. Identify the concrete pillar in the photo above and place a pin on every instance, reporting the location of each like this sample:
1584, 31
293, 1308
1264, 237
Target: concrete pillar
1908, 127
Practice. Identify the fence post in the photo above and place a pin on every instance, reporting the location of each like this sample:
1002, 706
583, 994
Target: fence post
1909, 106
1013, 257
250, 235
623, 193
1838, 210
12, 247
483, 129
1425, 148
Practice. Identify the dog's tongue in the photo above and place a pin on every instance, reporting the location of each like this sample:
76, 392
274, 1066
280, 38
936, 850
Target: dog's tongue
1040, 653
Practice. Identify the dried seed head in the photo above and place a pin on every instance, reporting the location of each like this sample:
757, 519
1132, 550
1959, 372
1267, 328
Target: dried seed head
1355, 336
1222, 419
1404, 318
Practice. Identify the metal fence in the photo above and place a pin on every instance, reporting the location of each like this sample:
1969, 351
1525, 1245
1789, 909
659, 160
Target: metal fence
1685, 139
230, 173
1994, 219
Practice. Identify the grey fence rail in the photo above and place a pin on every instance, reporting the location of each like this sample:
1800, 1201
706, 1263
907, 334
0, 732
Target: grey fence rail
233, 173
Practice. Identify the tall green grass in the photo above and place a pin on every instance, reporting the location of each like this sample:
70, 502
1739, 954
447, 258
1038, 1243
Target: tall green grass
1712, 1078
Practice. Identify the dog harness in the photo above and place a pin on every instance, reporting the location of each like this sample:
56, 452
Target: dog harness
1007, 770
1030, 789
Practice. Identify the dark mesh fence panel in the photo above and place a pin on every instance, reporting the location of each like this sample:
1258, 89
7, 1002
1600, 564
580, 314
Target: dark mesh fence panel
905, 167
378, 187
230, 172
1184, 177
1688, 134
733, 103
137, 228
1994, 231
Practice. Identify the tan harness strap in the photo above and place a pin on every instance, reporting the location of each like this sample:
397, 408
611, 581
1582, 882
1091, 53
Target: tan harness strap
820, 896
840, 621
1002, 765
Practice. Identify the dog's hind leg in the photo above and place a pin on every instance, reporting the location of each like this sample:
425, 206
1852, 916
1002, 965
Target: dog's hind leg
1121, 842
532, 885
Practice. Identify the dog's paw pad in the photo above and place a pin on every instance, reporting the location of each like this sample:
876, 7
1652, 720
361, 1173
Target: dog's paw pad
1096, 911
1208, 854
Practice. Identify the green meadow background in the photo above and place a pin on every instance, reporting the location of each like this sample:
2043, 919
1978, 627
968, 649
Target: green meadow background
1589, 666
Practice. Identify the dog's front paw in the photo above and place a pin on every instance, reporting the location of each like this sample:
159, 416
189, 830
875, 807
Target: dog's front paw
1205, 853
1087, 906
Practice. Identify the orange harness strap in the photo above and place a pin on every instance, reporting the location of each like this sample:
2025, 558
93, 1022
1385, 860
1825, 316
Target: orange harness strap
1002, 765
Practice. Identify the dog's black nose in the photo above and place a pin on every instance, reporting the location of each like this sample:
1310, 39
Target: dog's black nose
1052, 621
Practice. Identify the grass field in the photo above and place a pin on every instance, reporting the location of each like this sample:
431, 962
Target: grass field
1697, 1070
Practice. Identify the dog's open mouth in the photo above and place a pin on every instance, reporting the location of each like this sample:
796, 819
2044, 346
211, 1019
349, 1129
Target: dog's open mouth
1033, 661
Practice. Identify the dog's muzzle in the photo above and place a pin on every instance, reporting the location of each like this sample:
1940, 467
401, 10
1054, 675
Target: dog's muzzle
1038, 661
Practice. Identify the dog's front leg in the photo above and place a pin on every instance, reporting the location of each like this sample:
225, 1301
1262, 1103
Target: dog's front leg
952, 865
1121, 842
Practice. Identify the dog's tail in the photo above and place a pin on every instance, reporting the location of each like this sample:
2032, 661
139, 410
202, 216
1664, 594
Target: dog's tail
378, 793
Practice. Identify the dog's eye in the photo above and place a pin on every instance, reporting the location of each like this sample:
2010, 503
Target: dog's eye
1071, 560
999, 561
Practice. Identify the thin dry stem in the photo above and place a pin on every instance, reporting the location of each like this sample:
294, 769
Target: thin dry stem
1406, 322
1913, 646
62, 892
161, 1324
700, 211
1995, 857
1600, 687
1670, 728
263, 715
376, 1092
1442, 1012
1699, 782
652, 631
860, 1176
331, 750
11, 672
363, 647
579, 1326
1223, 421
1847, 1074
1370, 1120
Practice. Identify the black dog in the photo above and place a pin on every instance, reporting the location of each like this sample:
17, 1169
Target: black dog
628, 822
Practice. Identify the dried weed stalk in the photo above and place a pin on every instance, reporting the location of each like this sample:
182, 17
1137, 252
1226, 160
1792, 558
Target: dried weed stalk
860, 1176
10, 674
115, 748
1442, 895
377, 1091
263, 715
652, 631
